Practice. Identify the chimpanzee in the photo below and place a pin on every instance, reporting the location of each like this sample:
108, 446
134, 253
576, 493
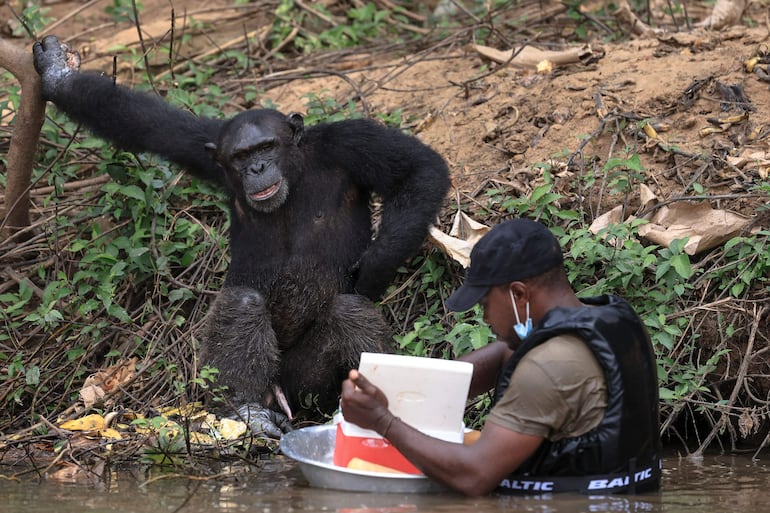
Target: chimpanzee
297, 307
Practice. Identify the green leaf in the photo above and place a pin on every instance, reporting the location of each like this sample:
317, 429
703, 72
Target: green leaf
33, 375
74, 353
681, 264
662, 269
132, 191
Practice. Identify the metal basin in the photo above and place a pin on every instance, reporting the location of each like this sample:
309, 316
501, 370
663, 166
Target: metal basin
313, 448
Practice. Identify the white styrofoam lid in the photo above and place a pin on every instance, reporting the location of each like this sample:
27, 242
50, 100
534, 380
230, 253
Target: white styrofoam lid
429, 394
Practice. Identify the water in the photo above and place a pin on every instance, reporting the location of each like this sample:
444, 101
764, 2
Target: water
715, 484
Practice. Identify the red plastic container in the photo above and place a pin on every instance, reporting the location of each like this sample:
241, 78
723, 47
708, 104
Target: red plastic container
426, 393
372, 449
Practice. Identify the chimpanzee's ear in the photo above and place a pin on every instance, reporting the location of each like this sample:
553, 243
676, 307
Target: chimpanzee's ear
297, 125
211, 149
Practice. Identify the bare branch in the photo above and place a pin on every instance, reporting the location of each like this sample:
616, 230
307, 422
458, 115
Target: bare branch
21, 154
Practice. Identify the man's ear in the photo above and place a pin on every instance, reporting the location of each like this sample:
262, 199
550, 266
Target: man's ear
519, 290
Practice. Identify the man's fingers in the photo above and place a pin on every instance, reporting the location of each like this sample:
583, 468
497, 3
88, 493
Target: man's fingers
357, 379
348, 387
357, 384
362, 383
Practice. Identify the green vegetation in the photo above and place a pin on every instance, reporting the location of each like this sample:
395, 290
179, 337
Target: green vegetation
125, 267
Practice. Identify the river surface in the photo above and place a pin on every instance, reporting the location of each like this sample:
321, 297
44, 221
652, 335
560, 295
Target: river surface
713, 484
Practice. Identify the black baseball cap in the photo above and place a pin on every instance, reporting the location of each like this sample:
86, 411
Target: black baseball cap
511, 251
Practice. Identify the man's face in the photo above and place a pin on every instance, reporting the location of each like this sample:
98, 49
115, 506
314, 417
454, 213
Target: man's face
498, 313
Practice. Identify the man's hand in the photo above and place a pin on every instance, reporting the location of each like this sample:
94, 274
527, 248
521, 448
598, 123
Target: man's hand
54, 62
364, 404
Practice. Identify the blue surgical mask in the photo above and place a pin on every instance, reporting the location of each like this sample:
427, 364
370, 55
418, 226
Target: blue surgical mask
522, 329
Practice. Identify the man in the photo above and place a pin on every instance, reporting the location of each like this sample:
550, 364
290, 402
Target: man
576, 389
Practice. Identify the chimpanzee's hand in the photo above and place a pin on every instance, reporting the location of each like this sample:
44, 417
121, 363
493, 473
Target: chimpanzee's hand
370, 277
54, 62
264, 421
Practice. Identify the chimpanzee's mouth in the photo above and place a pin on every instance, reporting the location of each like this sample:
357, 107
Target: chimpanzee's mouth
266, 193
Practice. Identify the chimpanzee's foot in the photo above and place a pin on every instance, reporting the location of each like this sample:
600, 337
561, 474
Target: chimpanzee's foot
263, 421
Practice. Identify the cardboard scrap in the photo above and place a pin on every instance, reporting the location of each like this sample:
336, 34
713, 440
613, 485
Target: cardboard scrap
725, 13
703, 226
533, 58
464, 234
611, 217
615, 216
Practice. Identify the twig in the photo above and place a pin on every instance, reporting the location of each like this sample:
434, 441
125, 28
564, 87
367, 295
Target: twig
145, 52
317, 14
171, 43
53, 26
23, 21
747, 357
86, 183
19, 279
213, 51
403, 11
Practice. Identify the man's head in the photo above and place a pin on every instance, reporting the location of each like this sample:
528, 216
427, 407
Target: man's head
515, 250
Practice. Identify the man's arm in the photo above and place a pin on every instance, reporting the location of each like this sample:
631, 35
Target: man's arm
488, 363
471, 469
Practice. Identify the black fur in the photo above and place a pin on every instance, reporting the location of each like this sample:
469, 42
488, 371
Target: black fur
297, 308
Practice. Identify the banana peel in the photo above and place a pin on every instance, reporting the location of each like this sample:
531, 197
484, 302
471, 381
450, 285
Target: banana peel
722, 124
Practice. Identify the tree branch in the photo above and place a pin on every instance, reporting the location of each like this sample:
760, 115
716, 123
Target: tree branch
30, 115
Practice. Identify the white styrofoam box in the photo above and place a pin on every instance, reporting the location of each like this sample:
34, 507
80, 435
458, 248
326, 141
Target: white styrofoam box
429, 394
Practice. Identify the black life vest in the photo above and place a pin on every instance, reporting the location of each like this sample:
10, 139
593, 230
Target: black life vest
621, 454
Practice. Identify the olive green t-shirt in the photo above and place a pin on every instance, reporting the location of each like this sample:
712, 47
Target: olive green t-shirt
558, 390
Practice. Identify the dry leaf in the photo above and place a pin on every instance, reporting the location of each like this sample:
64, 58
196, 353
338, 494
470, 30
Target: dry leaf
93, 422
611, 217
231, 429
201, 438
110, 433
752, 160
101, 383
91, 395
748, 422
192, 411
647, 197
462, 237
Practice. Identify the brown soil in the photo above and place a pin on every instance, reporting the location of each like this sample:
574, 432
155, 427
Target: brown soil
493, 123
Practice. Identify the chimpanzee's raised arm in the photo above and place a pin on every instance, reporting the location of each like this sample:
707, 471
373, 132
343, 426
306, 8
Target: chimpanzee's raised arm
411, 178
134, 121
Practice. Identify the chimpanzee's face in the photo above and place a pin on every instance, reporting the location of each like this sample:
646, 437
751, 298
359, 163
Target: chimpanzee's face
256, 149
254, 158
